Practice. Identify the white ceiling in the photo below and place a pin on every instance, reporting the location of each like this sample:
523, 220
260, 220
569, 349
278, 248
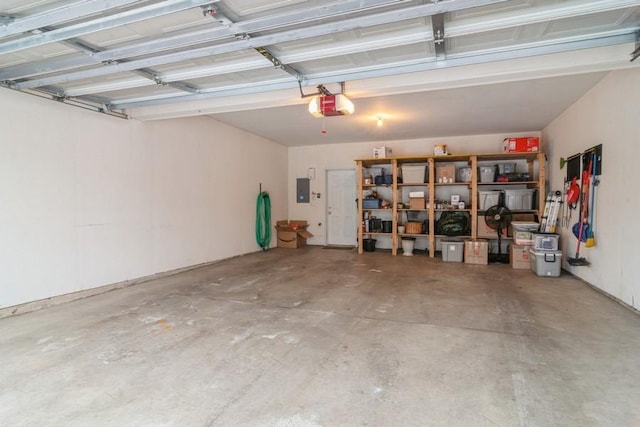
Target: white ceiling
430, 68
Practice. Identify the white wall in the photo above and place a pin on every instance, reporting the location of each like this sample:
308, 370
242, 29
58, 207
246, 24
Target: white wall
88, 200
341, 156
609, 114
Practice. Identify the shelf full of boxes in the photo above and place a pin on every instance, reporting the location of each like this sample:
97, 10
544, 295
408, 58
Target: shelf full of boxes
422, 188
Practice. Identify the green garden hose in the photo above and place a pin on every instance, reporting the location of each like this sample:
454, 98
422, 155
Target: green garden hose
263, 220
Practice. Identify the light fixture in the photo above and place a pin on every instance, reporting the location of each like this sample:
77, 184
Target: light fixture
379, 120
330, 105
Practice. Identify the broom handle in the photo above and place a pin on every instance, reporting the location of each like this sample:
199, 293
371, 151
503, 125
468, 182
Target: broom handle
593, 190
585, 202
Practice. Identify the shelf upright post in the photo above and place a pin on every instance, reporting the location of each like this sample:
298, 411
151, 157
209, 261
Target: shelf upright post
542, 179
360, 207
432, 206
394, 207
473, 162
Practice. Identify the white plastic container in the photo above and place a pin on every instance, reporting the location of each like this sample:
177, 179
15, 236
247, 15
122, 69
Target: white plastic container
525, 225
452, 250
546, 263
413, 173
519, 200
546, 242
486, 199
506, 168
486, 173
524, 238
407, 246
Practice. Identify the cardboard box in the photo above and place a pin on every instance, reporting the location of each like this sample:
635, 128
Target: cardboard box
520, 257
292, 234
417, 203
484, 231
521, 145
476, 252
446, 173
381, 152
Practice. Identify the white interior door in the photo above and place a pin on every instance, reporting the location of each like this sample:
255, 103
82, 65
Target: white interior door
341, 207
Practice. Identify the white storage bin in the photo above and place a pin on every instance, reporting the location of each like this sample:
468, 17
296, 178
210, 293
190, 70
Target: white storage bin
487, 173
525, 225
452, 250
506, 168
546, 242
523, 238
486, 199
519, 200
413, 173
546, 263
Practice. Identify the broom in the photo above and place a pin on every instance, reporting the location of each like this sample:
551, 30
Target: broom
591, 238
577, 261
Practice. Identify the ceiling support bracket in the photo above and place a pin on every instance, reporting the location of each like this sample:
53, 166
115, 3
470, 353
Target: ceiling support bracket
217, 14
54, 95
321, 90
148, 74
437, 24
266, 53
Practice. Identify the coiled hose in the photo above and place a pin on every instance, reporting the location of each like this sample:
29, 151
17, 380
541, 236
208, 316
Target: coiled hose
263, 220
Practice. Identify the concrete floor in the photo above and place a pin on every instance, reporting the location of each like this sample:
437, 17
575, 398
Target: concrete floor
316, 337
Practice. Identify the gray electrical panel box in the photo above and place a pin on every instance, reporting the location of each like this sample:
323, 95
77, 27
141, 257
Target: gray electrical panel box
302, 190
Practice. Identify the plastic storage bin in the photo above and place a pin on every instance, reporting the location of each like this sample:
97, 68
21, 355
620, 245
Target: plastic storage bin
452, 250
545, 241
546, 263
413, 173
506, 168
487, 173
519, 200
486, 199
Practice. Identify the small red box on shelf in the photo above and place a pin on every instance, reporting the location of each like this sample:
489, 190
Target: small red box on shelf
521, 145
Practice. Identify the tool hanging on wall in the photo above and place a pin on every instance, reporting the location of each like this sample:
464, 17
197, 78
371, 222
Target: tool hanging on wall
591, 238
579, 227
567, 210
263, 220
551, 211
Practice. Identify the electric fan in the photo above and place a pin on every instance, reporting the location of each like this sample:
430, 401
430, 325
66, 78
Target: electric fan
498, 218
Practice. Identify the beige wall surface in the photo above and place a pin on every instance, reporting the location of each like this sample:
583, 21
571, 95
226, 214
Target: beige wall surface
607, 115
89, 200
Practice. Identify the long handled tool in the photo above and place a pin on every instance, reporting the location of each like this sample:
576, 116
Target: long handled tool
591, 238
577, 261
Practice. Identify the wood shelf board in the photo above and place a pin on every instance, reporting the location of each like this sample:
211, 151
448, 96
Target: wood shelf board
463, 157
450, 184
508, 156
510, 183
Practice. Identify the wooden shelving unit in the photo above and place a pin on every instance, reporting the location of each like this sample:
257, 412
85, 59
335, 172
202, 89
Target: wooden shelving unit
535, 166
